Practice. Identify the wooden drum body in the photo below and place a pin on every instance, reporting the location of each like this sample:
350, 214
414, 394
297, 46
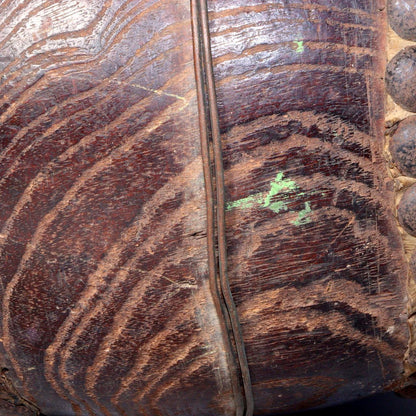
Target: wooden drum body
206, 208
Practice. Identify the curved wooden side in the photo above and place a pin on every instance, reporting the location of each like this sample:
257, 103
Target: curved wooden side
105, 300
112, 301
315, 259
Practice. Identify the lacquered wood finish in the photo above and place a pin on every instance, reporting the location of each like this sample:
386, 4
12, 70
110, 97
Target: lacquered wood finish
315, 260
106, 301
115, 261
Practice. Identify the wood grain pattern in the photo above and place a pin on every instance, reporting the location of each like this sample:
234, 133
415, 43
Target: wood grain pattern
113, 259
315, 260
105, 299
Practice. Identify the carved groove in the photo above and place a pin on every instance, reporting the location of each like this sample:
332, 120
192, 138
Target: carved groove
211, 142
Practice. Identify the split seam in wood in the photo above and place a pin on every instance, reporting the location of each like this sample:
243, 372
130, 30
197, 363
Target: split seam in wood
211, 150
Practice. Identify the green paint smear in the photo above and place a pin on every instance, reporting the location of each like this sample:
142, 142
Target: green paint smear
277, 187
299, 46
303, 215
245, 203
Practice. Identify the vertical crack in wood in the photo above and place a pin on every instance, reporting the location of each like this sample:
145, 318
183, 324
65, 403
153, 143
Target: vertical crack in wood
214, 181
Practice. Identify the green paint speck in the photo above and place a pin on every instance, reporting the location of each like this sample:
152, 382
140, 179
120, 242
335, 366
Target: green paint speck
277, 187
245, 203
278, 206
303, 215
300, 48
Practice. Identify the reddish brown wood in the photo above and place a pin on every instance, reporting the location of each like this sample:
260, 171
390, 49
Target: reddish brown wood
106, 300
315, 260
115, 260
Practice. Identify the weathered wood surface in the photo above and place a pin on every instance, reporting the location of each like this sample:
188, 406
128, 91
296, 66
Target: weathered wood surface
315, 260
107, 298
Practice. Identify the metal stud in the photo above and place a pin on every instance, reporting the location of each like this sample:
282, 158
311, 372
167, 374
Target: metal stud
403, 147
401, 78
407, 210
402, 17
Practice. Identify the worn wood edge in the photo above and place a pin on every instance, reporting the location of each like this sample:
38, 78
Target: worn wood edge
211, 150
393, 115
10, 394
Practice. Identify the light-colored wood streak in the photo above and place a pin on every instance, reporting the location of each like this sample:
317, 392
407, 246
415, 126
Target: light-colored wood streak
292, 262
78, 148
291, 316
243, 42
108, 292
317, 277
131, 301
345, 225
105, 16
360, 172
106, 216
105, 55
16, 68
266, 74
114, 260
137, 378
48, 219
18, 27
192, 369
105, 360
264, 24
16, 149
102, 57
149, 380
88, 174
320, 46
227, 9
344, 136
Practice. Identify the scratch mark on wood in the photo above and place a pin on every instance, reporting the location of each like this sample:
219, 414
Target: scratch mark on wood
155, 91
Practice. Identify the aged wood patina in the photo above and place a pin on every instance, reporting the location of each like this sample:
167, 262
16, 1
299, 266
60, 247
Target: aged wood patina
198, 206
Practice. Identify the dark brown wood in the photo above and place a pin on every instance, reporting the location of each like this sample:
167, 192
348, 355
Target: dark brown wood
315, 259
173, 247
106, 300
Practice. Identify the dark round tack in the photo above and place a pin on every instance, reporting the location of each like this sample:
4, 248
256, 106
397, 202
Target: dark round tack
402, 17
403, 147
407, 210
401, 78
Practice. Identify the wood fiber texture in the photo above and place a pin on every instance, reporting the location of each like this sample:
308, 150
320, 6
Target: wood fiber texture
108, 296
315, 261
105, 299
